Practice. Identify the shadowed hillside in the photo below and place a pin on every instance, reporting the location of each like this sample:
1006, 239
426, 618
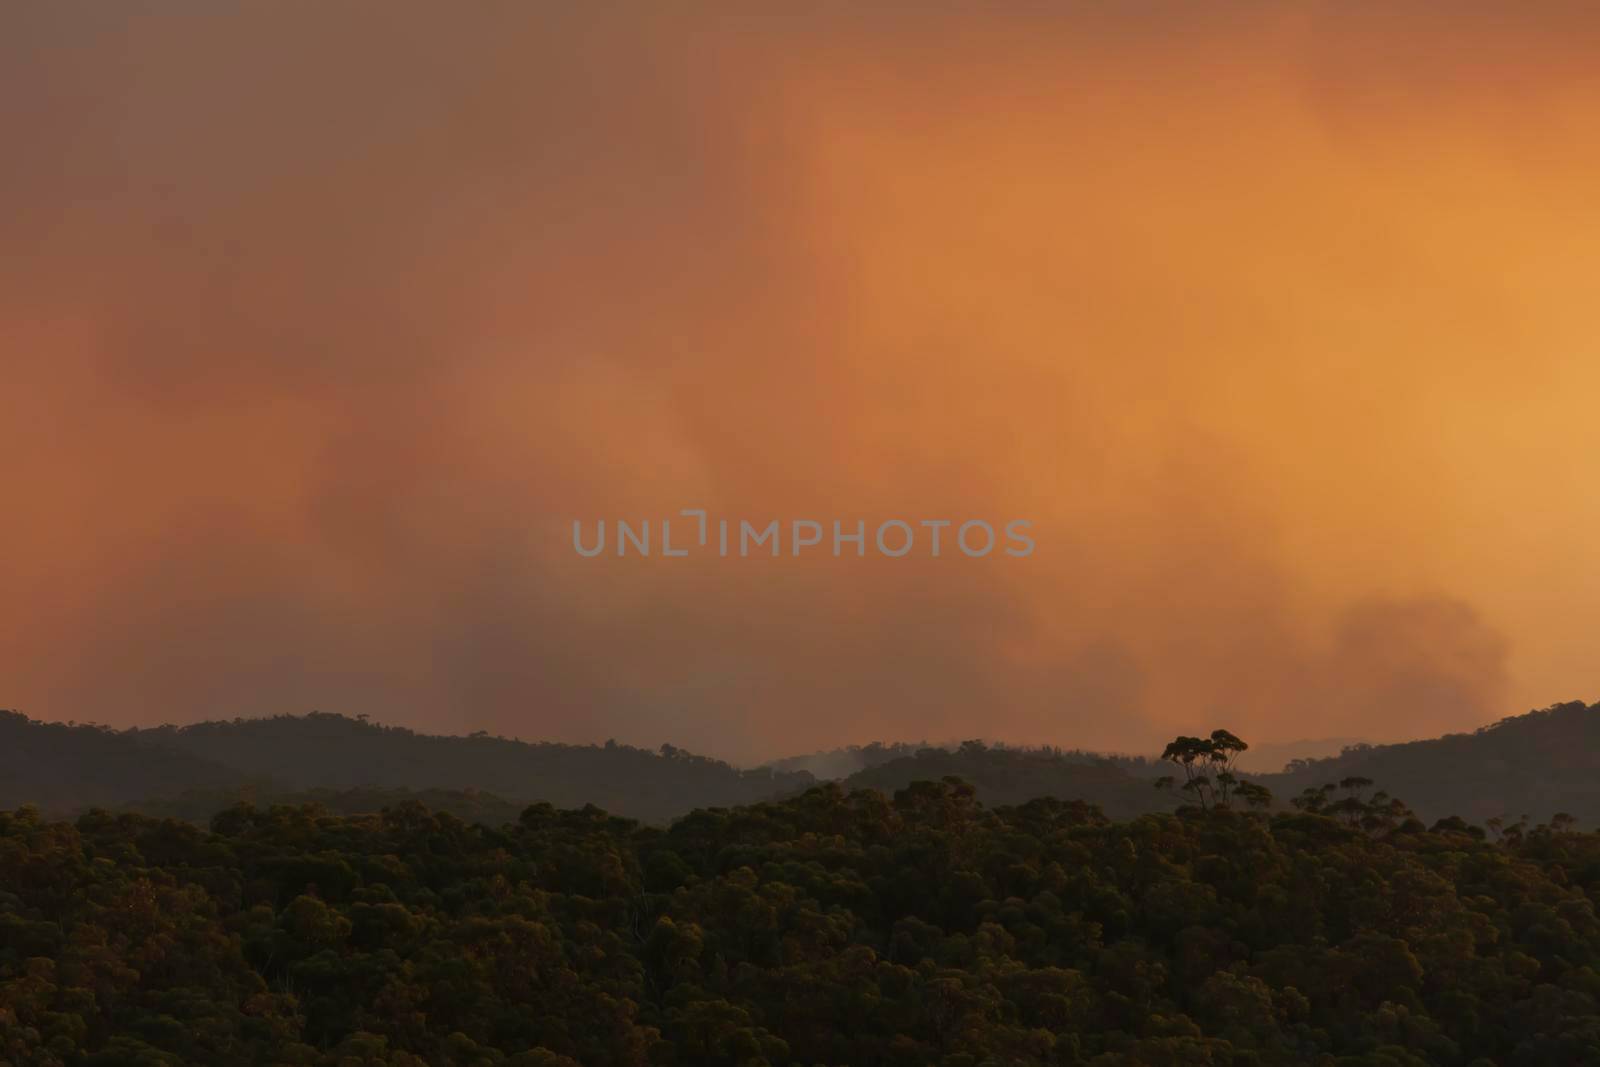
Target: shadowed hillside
333, 751
1539, 764
1016, 776
62, 768
1272, 757
838, 763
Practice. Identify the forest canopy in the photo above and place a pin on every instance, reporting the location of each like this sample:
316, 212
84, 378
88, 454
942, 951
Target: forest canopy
834, 927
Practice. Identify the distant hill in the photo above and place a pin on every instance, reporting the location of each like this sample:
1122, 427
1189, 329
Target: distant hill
840, 763
58, 767
333, 751
837, 763
1004, 776
1539, 764
1272, 757
66, 768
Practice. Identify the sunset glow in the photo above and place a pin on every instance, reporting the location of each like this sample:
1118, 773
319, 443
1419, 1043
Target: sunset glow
1278, 323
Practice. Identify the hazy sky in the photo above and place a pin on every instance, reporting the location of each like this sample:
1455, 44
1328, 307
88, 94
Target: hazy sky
320, 323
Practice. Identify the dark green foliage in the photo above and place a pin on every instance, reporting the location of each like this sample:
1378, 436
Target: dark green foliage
832, 927
1207, 764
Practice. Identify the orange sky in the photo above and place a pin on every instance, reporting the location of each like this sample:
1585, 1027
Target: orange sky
319, 325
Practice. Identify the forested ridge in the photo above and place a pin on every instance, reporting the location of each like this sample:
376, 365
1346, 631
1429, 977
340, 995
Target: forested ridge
1535, 765
1119, 787
1538, 764
834, 927
65, 768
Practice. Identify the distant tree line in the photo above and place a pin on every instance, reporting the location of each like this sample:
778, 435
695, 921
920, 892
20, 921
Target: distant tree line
1534, 766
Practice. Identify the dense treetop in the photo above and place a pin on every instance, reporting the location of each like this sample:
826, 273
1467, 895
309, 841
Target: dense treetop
830, 928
